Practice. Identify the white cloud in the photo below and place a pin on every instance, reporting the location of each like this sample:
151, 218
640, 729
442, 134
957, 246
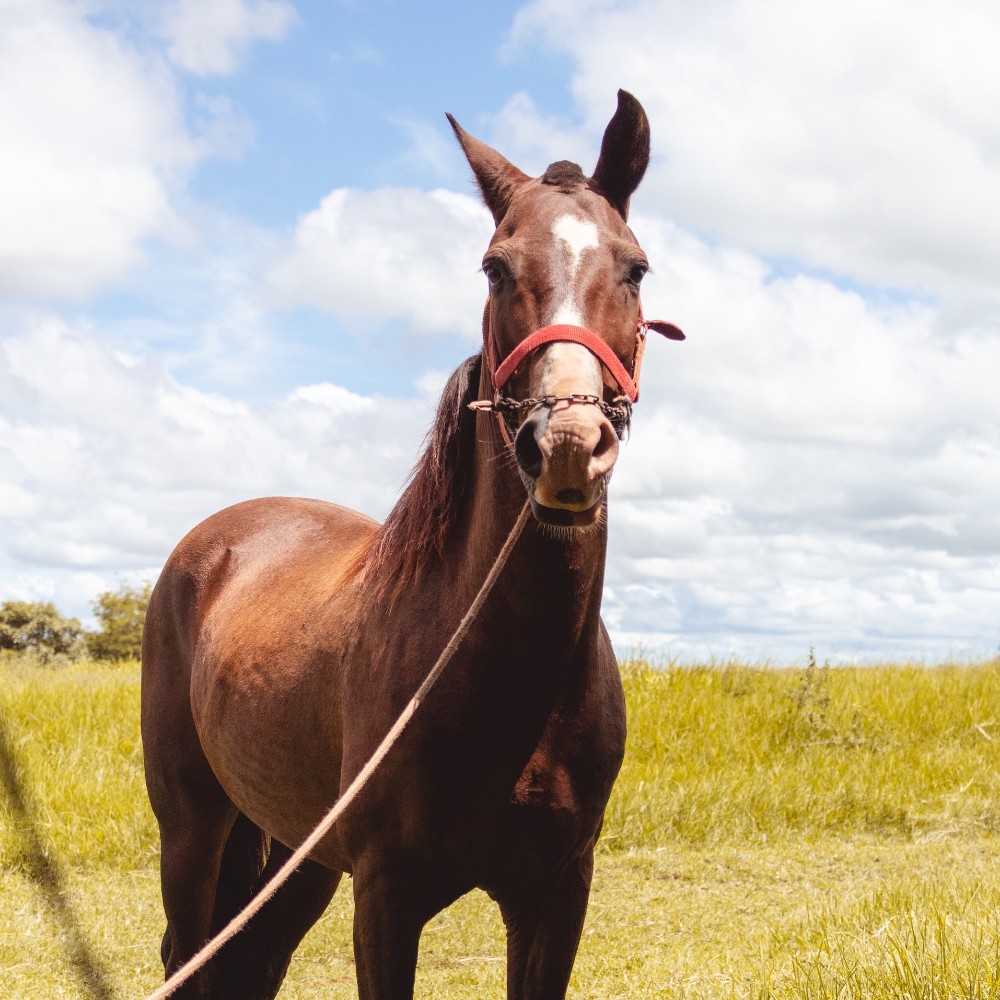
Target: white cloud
764, 595
370, 257
93, 140
334, 399
861, 137
532, 139
808, 468
210, 38
798, 359
107, 462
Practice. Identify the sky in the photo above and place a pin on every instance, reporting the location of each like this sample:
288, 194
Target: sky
240, 249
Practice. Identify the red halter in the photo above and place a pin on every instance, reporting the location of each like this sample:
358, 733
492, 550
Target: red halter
577, 335
628, 383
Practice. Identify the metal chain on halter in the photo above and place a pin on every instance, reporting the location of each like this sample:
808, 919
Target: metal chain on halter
618, 409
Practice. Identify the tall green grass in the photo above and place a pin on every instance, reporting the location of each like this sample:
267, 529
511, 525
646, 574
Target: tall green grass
715, 755
820, 833
735, 753
75, 734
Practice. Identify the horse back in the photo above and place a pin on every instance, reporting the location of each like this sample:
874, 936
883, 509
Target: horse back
240, 553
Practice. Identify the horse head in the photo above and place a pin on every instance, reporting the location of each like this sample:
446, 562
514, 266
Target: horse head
563, 328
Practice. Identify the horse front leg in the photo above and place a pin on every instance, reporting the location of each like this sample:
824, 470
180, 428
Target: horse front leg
544, 922
391, 906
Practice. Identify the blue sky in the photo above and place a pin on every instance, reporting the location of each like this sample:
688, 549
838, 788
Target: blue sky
337, 103
239, 253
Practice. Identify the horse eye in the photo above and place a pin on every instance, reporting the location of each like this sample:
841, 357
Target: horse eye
494, 272
636, 273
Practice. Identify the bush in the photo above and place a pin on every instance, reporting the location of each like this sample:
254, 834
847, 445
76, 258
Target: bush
121, 614
37, 629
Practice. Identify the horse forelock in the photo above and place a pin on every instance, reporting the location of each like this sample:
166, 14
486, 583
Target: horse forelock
418, 526
564, 174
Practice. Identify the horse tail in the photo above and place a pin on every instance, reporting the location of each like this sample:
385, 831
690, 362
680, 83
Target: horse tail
243, 860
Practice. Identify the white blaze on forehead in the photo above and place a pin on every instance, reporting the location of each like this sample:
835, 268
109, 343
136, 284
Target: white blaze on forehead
576, 236
571, 367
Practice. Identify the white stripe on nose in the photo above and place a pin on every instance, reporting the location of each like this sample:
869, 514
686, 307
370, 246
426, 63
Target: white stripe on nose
570, 368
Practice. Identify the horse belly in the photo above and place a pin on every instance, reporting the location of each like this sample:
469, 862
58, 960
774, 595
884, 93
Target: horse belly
271, 745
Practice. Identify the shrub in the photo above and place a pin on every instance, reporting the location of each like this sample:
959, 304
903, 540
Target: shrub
121, 613
37, 629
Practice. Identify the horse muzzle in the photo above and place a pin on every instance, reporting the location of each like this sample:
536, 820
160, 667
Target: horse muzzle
565, 454
567, 446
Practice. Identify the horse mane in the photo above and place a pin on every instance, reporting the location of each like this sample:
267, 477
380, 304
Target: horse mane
418, 526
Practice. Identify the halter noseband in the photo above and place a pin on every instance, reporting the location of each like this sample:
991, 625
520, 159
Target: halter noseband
576, 335
618, 411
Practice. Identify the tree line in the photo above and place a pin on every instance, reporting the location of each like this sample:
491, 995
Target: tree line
37, 630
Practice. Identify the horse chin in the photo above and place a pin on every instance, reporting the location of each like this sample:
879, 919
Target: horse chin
564, 517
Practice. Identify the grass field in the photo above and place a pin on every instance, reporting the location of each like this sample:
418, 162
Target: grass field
794, 833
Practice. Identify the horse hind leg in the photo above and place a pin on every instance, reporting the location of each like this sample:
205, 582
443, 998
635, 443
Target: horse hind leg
205, 846
253, 965
255, 962
195, 817
190, 863
213, 860
243, 860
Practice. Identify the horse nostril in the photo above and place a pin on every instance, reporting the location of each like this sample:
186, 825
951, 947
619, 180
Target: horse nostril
605, 452
526, 450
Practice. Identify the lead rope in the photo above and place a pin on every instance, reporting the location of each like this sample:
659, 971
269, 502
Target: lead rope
240, 921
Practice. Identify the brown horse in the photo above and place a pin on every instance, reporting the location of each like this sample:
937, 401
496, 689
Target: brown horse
284, 637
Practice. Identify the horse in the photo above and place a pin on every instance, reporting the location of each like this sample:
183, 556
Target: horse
284, 636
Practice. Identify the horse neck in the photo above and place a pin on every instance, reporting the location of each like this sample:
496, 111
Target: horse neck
553, 581
440, 541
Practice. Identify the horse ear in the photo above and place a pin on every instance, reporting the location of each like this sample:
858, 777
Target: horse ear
497, 177
624, 153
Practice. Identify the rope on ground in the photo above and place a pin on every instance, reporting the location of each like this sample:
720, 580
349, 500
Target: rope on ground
240, 921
